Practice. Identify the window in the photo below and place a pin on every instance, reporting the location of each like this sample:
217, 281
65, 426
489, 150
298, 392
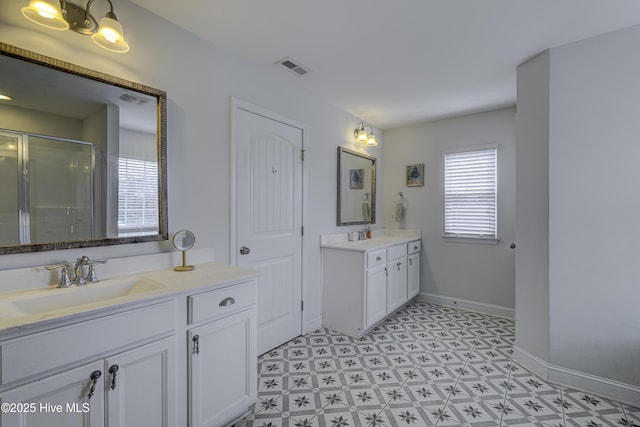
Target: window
137, 197
470, 194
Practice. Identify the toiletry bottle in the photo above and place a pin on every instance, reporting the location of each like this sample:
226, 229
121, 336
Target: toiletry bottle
368, 232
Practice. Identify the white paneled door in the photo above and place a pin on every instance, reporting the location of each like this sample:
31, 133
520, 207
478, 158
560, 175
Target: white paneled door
268, 219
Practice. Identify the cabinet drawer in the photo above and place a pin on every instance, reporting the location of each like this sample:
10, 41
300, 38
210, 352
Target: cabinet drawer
36, 353
396, 252
212, 304
413, 247
376, 259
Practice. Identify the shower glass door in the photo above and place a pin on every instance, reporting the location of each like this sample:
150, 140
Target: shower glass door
47, 189
9, 202
60, 189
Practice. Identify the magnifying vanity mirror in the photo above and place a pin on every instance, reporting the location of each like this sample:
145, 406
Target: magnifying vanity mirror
356, 188
82, 156
184, 240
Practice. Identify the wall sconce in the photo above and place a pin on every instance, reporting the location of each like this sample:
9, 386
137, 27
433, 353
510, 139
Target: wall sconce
361, 135
63, 15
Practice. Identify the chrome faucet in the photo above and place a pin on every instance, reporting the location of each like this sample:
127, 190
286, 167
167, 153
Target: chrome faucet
80, 278
65, 281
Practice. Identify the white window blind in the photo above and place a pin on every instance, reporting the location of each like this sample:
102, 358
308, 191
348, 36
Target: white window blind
470, 194
137, 197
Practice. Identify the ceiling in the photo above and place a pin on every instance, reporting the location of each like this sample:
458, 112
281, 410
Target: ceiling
397, 62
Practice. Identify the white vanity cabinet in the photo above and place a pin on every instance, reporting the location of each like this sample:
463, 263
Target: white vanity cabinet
139, 386
413, 268
396, 277
364, 282
222, 354
43, 403
375, 307
185, 354
132, 387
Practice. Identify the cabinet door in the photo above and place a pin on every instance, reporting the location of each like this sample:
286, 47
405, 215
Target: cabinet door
60, 400
139, 386
413, 275
376, 296
222, 369
396, 283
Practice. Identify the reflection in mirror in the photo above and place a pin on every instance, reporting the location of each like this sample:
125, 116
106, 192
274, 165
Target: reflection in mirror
356, 188
82, 156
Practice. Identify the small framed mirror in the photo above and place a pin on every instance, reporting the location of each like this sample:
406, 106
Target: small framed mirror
356, 188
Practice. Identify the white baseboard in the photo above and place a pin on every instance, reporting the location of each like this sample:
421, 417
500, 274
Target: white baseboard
621, 392
481, 307
309, 325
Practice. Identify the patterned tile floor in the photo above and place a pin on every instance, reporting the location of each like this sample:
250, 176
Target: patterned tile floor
427, 365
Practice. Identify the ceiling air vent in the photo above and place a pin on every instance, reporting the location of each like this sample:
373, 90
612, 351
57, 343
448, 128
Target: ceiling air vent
293, 66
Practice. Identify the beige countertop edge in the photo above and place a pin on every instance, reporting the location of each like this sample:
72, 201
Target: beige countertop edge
205, 277
371, 244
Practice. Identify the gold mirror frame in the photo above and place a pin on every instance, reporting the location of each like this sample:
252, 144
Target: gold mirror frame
159, 95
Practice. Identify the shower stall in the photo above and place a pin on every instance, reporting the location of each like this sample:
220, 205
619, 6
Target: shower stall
47, 189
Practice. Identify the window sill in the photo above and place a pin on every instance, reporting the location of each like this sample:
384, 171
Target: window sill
472, 239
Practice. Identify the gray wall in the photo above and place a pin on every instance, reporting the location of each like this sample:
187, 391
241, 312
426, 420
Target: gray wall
481, 273
594, 204
532, 207
591, 89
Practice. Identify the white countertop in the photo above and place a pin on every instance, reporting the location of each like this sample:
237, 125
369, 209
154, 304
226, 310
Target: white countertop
205, 277
381, 239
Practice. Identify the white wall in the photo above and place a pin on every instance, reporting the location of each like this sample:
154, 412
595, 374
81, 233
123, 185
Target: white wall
462, 271
594, 205
593, 88
31, 121
532, 207
199, 79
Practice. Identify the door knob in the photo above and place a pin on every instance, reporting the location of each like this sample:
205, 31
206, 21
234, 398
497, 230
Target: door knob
512, 246
244, 250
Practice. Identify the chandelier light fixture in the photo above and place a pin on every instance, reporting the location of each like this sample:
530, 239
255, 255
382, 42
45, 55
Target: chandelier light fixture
64, 15
361, 135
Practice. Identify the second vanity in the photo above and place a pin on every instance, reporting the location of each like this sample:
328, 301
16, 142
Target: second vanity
367, 280
156, 349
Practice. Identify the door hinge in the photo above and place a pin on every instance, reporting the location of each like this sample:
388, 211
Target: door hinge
301, 305
302, 154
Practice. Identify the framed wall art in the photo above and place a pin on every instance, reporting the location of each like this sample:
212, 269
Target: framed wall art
415, 175
356, 179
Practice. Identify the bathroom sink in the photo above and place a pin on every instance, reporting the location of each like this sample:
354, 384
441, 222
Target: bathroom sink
45, 301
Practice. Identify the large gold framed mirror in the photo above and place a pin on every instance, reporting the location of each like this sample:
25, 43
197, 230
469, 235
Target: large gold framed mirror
83, 156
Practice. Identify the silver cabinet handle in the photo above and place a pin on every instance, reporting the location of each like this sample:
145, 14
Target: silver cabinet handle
113, 370
94, 380
378, 258
415, 248
196, 344
227, 302
244, 250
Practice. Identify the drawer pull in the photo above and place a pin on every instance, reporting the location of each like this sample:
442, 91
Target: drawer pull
196, 344
378, 258
94, 380
415, 248
227, 302
113, 370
